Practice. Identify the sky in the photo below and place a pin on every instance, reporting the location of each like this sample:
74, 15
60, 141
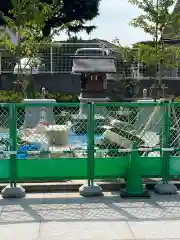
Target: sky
113, 22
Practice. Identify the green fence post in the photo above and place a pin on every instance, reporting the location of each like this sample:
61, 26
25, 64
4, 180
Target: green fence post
90, 189
91, 144
13, 145
166, 142
13, 191
164, 187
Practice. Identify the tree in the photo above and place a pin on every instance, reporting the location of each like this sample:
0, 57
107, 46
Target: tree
67, 11
28, 20
159, 21
127, 66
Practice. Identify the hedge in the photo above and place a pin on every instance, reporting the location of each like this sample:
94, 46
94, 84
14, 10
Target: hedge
14, 97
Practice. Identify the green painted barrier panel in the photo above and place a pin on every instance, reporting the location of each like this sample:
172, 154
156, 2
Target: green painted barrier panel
61, 168
111, 167
151, 166
90, 168
118, 167
4, 169
174, 166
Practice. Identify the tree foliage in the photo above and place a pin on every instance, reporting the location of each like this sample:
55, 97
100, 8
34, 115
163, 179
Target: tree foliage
66, 11
28, 20
156, 17
159, 21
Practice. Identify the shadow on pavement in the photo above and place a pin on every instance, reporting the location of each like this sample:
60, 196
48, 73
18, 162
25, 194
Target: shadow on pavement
71, 207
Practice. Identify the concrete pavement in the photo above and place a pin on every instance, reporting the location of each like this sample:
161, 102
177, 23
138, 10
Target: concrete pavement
67, 216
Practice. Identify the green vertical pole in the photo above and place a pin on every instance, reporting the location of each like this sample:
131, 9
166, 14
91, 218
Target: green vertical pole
166, 141
90, 164
13, 144
92, 143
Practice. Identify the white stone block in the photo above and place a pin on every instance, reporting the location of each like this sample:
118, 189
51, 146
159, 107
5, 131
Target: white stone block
122, 125
57, 135
118, 139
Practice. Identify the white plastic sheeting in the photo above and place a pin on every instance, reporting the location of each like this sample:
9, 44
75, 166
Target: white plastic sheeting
28, 66
36, 138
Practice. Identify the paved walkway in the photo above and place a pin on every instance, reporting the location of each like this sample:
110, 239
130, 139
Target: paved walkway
71, 217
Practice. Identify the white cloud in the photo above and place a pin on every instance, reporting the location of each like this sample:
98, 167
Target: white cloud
113, 21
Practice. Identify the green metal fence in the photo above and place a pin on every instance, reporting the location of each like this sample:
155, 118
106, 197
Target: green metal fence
113, 131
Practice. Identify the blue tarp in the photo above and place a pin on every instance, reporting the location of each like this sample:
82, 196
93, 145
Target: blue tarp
21, 153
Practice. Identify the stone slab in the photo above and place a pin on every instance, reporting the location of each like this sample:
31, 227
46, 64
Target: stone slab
85, 230
23, 231
154, 230
68, 216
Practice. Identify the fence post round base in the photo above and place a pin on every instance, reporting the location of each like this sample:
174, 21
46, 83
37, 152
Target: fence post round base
13, 192
90, 191
165, 188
